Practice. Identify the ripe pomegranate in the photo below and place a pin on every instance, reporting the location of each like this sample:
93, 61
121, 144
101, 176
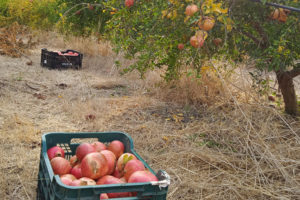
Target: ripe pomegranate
196, 42
180, 46
99, 146
66, 180
190, 10
122, 161
69, 176
94, 165
104, 196
74, 161
282, 15
78, 12
60, 166
131, 167
123, 179
112, 180
206, 24
111, 160
117, 174
76, 171
129, 3
141, 177
87, 181
117, 147
75, 183
275, 14
84, 149
55, 152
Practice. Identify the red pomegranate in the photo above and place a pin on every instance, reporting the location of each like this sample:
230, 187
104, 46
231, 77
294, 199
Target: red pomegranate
94, 165
69, 176
196, 42
117, 174
131, 167
74, 161
87, 181
55, 152
104, 196
123, 159
112, 180
180, 46
111, 160
99, 146
66, 180
76, 171
129, 3
190, 10
75, 183
117, 147
83, 149
141, 177
60, 166
123, 179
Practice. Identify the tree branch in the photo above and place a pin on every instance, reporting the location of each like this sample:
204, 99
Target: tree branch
262, 33
249, 35
295, 72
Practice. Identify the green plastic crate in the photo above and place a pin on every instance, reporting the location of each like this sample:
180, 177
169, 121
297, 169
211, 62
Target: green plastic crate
51, 188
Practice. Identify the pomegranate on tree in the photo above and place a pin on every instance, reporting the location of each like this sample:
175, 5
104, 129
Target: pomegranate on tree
129, 3
180, 46
190, 10
55, 152
83, 149
117, 147
60, 166
206, 24
196, 41
94, 165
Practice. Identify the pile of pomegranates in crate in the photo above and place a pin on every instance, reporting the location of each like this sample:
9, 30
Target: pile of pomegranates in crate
98, 164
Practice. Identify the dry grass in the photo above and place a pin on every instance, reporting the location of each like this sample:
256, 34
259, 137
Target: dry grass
232, 145
15, 40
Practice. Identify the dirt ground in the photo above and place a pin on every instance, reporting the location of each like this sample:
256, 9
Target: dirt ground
210, 153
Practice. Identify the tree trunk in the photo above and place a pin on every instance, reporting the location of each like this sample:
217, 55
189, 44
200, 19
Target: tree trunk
286, 85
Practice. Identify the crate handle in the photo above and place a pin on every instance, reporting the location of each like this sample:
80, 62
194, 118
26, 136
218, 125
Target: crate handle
82, 140
164, 178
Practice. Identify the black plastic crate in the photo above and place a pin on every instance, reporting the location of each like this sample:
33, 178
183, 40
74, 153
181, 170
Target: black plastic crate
57, 60
51, 188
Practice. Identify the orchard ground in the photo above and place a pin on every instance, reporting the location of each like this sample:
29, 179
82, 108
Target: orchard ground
236, 148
